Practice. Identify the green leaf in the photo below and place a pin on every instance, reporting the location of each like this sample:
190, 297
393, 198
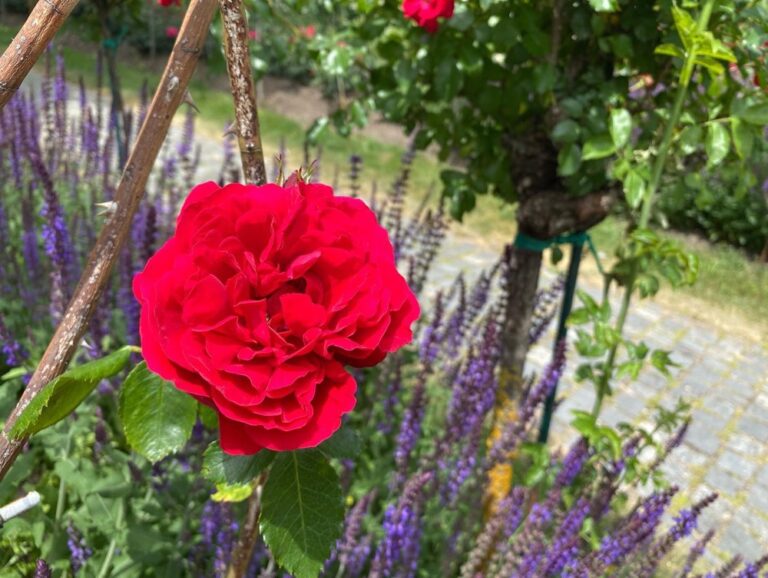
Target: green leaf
569, 160
685, 24
634, 189
755, 114
718, 144
318, 128
62, 395
208, 417
670, 50
743, 138
222, 468
157, 418
598, 147
604, 5
232, 493
621, 127
302, 511
566, 131
690, 139
345, 443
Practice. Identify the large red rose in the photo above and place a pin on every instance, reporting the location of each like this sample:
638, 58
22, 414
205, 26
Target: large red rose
258, 301
426, 12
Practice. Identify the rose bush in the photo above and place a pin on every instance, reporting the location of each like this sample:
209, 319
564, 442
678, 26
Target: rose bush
427, 12
258, 301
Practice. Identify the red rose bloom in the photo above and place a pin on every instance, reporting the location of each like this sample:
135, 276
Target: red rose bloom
167, 3
171, 32
426, 12
258, 301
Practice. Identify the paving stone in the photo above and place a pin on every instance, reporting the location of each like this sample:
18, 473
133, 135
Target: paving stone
745, 444
737, 539
754, 427
739, 465
762, 477
723, 481
757, 498
703, 436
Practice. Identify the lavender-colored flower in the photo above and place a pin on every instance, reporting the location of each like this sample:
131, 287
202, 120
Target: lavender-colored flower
355, 168
752, 570
696, 552
544, 309
42, 570
514, 431
398, 552
218, 532
13, 354
572, 464
78, 549
347, 548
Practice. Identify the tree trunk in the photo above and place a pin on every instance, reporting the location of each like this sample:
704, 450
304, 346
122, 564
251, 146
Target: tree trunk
542, 216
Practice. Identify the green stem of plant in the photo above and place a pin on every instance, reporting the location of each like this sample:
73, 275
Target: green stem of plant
104, 571
653, 186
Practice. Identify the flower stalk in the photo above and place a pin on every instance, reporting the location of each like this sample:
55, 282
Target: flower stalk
657, 170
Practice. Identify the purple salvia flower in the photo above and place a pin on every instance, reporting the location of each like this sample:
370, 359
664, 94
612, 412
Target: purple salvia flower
752, 570
572, 464
42, 570
697, 551
398, 552
565, 544
79, 552
13, 354
634, 532
410, 428
347, 546
391, 398
515, 430
125, 299
544, 309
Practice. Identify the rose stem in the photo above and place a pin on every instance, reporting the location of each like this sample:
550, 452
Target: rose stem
238, 60
21, 54
169, 95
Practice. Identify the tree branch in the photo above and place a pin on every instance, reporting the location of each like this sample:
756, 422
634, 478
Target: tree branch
243, 90
18, 59
130, 190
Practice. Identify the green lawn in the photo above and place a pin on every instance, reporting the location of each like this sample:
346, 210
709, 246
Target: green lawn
729, 282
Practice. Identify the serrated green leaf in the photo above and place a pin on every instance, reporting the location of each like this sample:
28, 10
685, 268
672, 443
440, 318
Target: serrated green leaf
621, 127
222, 468
302, 511
634, 189
157, 418
59, 397
598, 147
345, 443
718, 144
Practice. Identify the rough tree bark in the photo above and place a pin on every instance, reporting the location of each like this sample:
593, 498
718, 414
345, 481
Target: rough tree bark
545, 210
169, 95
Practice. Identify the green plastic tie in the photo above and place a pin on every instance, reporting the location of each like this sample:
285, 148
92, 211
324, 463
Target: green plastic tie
528, 243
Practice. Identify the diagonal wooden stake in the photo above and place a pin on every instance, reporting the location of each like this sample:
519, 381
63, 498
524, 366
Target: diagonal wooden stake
235, 25
169, 95
39, 29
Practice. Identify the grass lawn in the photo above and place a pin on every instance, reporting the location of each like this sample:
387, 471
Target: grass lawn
731, 288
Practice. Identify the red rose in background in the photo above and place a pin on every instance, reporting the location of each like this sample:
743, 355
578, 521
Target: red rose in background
171, 32
167, 3
426, 12
309, 31
258, 301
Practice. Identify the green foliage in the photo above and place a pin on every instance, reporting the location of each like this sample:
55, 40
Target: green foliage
302, 511
61, 396
224, 469
156, 417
